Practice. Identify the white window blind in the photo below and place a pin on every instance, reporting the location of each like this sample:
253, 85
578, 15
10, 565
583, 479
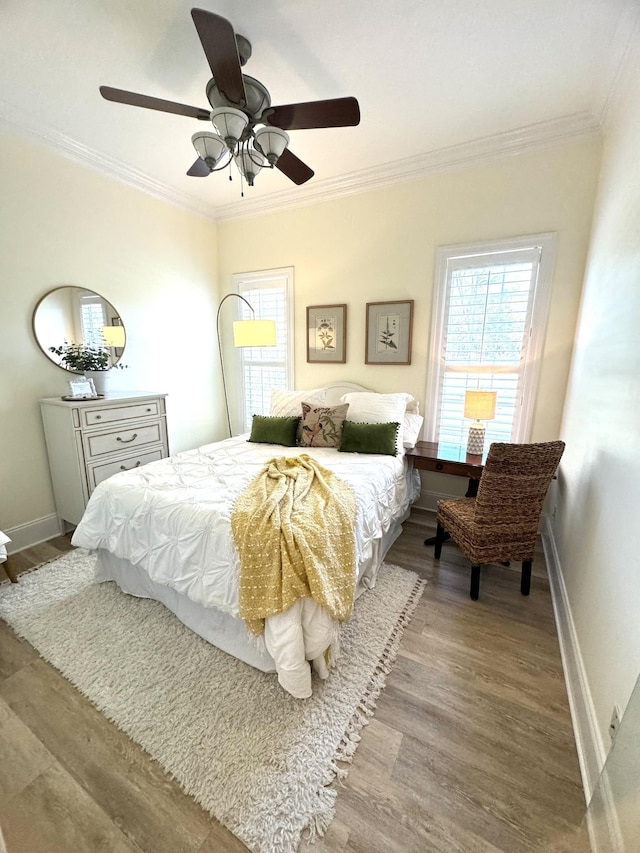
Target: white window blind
91, 315
488, 326
263, 368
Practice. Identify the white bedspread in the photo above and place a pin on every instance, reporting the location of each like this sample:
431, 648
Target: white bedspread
173, 516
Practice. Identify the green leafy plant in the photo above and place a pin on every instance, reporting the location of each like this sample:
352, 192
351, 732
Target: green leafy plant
81, 357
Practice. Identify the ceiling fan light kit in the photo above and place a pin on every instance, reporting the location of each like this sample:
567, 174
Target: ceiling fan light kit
272, 142
230, 124
239, 103
210, 147
249, 161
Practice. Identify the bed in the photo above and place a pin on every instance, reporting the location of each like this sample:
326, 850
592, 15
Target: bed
163, 531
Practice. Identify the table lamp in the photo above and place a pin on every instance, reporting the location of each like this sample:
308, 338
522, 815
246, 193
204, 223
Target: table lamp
481, 406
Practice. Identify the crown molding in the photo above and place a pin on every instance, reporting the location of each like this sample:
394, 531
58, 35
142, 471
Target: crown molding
622, 57
545, 134
16, 122
476, 152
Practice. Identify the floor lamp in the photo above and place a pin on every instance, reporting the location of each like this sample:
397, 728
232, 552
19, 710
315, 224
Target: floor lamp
481, 406
246, 333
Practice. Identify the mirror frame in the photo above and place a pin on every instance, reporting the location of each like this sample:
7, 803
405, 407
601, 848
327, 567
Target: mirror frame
116, 353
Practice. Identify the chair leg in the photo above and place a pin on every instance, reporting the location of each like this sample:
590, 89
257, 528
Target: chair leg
441, 536
474, 592
525, 578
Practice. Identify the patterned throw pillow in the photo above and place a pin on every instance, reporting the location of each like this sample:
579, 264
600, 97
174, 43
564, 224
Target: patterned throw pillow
322, 425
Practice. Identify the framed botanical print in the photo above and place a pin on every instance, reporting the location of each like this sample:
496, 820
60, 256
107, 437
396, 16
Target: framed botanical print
388, 335
327, 333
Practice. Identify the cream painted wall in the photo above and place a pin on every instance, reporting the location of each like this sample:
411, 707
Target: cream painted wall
597, 527
62, 223
381, 245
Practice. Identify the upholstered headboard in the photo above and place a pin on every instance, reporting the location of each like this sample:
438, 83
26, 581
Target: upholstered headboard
335, 390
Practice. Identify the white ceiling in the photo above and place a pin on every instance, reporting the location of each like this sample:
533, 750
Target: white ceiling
437, 81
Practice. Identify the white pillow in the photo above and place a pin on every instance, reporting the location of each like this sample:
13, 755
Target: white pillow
367, 407
287, 404
411, 426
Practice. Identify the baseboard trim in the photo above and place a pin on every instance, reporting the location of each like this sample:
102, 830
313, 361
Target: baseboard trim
32, 533
591, 750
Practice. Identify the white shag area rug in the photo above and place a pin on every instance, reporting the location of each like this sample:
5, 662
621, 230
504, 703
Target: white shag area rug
258, 760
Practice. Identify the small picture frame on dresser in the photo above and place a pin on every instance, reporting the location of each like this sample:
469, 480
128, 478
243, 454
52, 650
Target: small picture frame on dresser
82, 388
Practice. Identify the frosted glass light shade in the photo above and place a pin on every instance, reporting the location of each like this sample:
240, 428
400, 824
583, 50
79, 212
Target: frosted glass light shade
249, 162
230, 124
254, 333
272, 141
480, 405
114, 336
210, 147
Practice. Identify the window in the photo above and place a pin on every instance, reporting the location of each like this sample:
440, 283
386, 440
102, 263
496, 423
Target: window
270, 294
489, 318
91, 317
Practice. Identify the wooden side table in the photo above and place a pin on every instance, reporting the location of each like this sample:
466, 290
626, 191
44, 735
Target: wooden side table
448, 459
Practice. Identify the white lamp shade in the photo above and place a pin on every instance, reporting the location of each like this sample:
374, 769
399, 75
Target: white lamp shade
230, 123
480, 405
272, 142
210, 147
254, 333
114, 336
249, 162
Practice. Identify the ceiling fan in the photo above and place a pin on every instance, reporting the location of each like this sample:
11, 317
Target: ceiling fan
239, 104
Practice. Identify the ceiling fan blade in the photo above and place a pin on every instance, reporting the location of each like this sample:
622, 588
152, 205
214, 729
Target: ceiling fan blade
221, 49
120, 96
293, 167
335, 112
199, 169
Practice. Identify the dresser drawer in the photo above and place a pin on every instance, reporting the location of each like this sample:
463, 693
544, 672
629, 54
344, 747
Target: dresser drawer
106, 415
123, 439
98, 473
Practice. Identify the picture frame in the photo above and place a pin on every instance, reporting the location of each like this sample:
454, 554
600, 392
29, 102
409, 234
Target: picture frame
327, 333
82, 387
388, 332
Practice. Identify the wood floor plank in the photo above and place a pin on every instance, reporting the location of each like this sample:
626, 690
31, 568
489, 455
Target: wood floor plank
14, 652
55, 815
470, 749
119, 776
24, 757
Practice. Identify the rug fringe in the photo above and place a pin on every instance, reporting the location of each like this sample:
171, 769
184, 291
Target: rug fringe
346, 749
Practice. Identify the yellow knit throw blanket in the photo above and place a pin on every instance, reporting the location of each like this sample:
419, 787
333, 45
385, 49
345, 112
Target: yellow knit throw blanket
294, 527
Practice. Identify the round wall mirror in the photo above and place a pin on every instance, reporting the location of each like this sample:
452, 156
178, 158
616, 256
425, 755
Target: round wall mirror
76, 316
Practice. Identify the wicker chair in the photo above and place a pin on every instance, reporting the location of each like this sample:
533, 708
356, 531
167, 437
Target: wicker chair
501, 523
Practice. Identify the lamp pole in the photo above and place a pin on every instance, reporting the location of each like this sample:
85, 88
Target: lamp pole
224, 383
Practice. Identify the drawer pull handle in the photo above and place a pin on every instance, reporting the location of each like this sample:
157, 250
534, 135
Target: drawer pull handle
127, 440
98, 417
438, 466
137, 465
149, 409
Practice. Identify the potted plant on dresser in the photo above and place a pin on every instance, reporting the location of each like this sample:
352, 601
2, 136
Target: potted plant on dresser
93, 361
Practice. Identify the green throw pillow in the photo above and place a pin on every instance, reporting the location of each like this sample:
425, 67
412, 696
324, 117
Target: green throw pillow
370, 438
268, 430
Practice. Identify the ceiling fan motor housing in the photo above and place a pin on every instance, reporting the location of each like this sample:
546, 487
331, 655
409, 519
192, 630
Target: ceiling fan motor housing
258, 98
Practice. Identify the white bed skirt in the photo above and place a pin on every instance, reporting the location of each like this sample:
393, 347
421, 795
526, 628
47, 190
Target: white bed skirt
218, 628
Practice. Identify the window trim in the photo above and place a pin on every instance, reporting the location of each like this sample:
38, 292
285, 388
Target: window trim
546, 242
254, 280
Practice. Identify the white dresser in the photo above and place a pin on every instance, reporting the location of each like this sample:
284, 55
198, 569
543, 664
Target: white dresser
89, 440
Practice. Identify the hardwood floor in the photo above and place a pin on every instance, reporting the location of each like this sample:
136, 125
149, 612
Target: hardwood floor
470, 749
